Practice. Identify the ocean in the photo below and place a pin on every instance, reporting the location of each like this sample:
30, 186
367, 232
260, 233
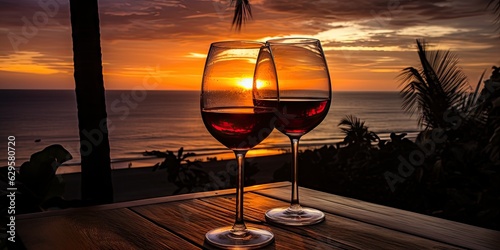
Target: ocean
168, 120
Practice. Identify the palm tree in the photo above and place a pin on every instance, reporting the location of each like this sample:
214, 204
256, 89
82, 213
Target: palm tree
356, 133
435, 90
96, 185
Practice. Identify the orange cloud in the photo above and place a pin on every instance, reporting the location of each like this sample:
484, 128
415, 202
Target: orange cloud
25, 62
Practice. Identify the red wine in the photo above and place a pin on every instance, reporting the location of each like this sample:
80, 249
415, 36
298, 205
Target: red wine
299, 115
239, 128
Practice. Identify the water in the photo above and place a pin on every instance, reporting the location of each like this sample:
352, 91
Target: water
168, 120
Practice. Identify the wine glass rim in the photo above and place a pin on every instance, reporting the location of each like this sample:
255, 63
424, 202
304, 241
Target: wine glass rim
239, 44
292, 40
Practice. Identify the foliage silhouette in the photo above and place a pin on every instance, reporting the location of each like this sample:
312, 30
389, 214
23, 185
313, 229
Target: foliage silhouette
185, 174
38, 186
356, 132
191, 176
454, 183
490, 96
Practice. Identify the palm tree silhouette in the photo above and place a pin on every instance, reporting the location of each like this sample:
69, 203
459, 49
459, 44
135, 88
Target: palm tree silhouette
96, 185
434, 90
242, 12
356, 133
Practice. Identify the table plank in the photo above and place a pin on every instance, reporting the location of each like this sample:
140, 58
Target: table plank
148, 201
193, 218
109, 229
442, 230
346, 232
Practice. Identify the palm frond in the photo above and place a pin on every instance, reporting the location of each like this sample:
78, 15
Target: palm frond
495, 8
242, 12
356, 132
433, 89
412, 84
351, 122
473, 105
426, 68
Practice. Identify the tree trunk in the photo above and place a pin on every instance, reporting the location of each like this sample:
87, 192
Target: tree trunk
89, 85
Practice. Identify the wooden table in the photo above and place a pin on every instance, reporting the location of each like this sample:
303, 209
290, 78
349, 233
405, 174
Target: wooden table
180, 222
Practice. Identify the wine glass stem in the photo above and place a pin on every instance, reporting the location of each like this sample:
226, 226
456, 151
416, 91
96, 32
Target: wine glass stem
239, 228
295, 186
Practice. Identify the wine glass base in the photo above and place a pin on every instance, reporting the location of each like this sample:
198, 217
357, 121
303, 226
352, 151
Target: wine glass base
302, 217
254, 238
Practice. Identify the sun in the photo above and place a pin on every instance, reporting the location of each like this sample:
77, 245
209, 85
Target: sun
247, 83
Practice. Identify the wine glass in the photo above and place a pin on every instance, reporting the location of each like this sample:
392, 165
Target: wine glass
233, 117
304, 101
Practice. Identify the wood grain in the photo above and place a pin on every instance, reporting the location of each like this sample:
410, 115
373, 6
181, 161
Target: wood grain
346, 232
151, 201
193, 218
117, 229
446, 231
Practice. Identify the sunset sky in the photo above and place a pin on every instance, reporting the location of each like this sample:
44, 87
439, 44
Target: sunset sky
367, 42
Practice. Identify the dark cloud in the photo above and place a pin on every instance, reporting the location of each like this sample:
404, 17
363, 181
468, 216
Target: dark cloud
14, 13
147, 20
356, 10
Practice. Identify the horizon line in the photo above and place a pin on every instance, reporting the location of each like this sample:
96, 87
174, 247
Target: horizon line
191, 90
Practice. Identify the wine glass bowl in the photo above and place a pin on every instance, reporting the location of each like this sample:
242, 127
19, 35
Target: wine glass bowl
304, 101
233, 126
232, 116
301, 115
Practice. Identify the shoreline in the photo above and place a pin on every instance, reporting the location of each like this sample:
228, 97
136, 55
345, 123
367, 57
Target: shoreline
150, 161
142, 182
141, 161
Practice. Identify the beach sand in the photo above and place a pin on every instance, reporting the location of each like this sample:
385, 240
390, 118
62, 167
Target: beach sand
141, 183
